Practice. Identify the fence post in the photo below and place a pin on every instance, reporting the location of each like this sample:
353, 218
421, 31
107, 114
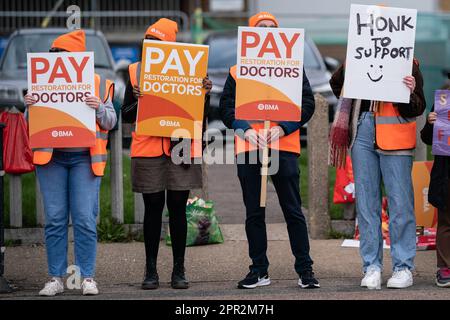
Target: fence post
138, 208
116, 173
15, 200
40, 221
318, 190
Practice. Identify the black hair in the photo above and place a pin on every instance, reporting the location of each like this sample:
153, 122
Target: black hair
57, 50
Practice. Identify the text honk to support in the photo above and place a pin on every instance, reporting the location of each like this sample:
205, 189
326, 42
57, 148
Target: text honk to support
380, 53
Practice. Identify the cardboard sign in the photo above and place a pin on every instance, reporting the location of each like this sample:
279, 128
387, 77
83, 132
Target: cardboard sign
171, 81
60, 82
441, 133
426, 214
380, 53
269, 74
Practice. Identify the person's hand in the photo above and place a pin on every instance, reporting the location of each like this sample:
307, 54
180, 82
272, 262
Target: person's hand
432, 117
207, 84
137, 92
93, 102
29, 100
251, 136
410, 82
275, 133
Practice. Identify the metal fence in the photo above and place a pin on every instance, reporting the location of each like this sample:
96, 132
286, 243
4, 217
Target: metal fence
16, 196
109, 16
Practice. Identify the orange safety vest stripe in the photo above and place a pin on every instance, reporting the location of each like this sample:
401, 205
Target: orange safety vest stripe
394, 132
289, 143
98, 153
150, 146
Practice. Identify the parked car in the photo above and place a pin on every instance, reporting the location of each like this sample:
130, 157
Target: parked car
222, 55
13, 64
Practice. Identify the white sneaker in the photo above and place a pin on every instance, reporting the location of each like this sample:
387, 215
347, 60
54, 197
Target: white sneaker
89, 287
372, 279
400, 279
52, 288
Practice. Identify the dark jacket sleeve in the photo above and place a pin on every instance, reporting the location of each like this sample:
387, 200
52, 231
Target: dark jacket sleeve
129, 106
337, 81
227, 107
308, 107
427, 132
417, 104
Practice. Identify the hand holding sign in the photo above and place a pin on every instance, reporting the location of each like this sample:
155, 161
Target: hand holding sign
410, 82
29, 100
93, 102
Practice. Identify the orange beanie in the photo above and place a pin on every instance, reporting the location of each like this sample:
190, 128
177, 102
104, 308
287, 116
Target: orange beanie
254, 20
164, 30
73, 41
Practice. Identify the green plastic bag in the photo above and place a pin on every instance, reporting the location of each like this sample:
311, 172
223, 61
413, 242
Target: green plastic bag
202, 224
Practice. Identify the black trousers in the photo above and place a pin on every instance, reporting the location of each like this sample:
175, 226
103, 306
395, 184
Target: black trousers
286, 183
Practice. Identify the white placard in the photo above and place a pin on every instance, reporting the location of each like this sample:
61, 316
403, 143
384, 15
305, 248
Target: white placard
380, 53
60, 83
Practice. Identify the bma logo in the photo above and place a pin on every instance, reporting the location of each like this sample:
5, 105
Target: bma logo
169, 123
154, 30
62, 133
265, 16
268, 107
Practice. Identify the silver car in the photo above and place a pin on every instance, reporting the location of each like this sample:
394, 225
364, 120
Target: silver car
13, 64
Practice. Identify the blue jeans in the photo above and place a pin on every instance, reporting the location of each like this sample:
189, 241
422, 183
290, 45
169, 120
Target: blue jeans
369, 167
68, 185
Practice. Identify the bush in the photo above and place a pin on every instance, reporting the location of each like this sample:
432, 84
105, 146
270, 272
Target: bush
109, 230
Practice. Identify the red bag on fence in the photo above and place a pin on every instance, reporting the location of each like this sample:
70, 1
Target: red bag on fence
17, 155
344, 188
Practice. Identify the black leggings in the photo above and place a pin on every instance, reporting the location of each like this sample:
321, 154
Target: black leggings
154, 206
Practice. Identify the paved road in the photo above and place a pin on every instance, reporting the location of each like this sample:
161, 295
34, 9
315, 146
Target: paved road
214, 271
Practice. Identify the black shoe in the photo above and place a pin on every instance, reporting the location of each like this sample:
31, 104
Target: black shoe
443, 278
178, 277
151, 278
253, 280
308, 281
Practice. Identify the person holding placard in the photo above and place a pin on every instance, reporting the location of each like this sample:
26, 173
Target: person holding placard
285, 135
439, 197
382, 139
153, 172
69, 180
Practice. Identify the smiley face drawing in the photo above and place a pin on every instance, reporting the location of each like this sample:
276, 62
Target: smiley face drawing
375, 73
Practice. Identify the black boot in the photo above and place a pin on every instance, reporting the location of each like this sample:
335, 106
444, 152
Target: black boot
151, 278
178, 277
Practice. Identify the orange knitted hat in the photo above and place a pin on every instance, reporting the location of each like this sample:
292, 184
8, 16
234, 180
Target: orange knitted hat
164, 30
254, 20
73, 41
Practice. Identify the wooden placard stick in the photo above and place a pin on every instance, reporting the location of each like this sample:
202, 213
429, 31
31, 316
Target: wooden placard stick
264, 168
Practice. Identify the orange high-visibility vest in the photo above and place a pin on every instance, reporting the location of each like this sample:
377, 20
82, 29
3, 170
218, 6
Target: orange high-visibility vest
98, 152
394, 132
150, 146
289, 143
